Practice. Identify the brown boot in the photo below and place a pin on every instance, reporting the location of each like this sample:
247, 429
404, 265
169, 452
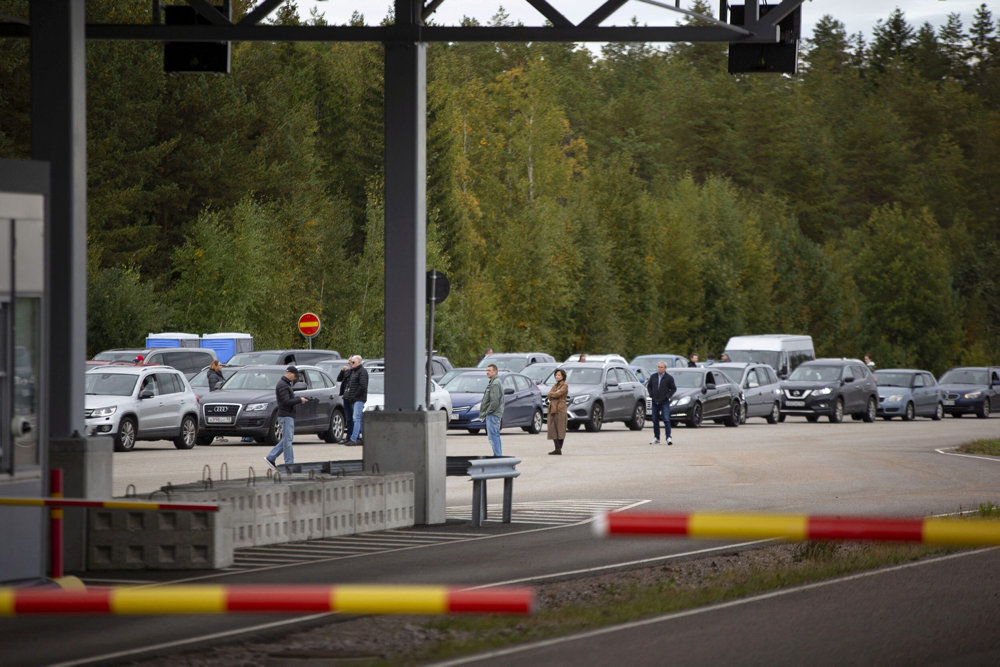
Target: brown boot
558, 450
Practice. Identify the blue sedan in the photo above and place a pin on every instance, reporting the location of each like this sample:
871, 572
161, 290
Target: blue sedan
522, 401
908, 393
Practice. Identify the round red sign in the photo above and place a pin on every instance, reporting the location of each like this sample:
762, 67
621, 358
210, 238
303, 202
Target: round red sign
309, 325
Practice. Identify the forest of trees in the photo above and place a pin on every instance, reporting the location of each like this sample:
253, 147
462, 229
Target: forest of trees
636, 200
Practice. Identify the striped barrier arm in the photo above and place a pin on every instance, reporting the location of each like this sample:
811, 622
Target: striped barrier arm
108, 504
266, 599
800, 527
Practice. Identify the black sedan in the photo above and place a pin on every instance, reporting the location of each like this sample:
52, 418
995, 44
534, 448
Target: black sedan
246, 406
703, 393
970, 390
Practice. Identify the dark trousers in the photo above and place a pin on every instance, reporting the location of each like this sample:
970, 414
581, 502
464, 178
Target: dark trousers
348, 417
661, 410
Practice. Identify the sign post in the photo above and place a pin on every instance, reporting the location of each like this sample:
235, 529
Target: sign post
309, 326
438, 288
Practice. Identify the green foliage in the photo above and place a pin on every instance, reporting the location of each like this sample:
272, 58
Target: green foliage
121, 308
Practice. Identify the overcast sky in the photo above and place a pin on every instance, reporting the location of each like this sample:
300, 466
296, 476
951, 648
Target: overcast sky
856, 15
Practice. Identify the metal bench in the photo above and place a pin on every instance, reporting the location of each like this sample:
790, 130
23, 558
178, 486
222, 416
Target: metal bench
483, 468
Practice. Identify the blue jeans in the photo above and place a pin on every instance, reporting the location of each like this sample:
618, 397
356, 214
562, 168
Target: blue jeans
284, 445
493, 433
661, 410
357, 412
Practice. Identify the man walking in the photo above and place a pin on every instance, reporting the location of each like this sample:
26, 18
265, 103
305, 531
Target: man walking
286, 417
491, 409
353, 380
661, 388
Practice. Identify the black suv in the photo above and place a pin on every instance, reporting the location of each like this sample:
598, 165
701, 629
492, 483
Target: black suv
832, 387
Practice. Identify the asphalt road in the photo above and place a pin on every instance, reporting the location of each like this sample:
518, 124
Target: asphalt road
852, 468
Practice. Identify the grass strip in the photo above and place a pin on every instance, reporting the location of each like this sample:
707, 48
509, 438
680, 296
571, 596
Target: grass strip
989, 447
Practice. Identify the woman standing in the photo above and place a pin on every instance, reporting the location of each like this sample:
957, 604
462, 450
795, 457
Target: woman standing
557, 411
215, 377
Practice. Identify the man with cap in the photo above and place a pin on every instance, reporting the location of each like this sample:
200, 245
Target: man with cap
139, 360
286, 417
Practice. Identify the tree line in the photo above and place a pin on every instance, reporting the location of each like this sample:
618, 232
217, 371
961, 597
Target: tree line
638, 200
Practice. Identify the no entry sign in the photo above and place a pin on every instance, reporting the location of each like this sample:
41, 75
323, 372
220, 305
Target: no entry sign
309, 325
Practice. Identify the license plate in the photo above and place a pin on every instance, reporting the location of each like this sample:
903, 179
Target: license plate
219, 420
795, 404
948, 402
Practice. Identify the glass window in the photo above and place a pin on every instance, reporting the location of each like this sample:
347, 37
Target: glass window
508, 382
521, 383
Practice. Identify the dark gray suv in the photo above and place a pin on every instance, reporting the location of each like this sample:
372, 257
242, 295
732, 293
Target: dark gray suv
600, 393
832, 388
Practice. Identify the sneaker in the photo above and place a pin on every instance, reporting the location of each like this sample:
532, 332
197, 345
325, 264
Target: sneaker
670, 441
654, 441
270, 464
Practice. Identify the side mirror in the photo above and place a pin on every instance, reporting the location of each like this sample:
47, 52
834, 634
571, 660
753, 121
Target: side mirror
508, 390
848, 379
299, 386
752, 384
146, 393
708, 387
612, 383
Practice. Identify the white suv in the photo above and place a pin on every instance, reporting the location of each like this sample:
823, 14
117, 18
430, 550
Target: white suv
141, 403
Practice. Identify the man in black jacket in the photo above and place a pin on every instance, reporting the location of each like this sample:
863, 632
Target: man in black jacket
353, 380
286, 417
661, 388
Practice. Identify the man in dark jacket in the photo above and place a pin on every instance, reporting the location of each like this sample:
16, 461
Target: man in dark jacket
661, 388
353, 380
286, 417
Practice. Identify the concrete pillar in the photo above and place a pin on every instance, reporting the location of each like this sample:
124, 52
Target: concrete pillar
411, 441
87, 473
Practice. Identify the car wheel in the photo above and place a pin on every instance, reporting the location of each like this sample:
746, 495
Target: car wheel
938, 412
336, 431
837, 415
275, 430
125, 440
204, 440
984, 410
536, 423
743, 413
188, 435
775, 415
694, 421
870, 410
781, 417
474, 431
638, 418
733, 419
596, 418
909, 413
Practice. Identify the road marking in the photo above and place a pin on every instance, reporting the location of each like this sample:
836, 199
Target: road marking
952, 452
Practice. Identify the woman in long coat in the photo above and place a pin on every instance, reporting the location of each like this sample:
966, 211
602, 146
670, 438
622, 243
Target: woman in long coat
557, 411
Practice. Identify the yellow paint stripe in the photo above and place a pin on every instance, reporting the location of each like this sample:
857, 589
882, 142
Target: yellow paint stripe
169, 600
749, 526
390, 599
112, 505
7, 601
962, 532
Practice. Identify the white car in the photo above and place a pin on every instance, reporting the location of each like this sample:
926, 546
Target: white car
133, 403
440, 398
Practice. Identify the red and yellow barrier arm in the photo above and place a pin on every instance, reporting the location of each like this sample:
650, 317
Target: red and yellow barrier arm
108, 504
800, 527
208, 599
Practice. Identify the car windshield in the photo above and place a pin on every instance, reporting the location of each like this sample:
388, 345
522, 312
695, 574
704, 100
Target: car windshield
504, 363
815, 374
250, 358
734, 375
200, 378
687, 379
254, 379
538, 372
769, 357
578, 376
116, 355
889, 379
468, 383
964, 376
648, 364
110, 384
376, 383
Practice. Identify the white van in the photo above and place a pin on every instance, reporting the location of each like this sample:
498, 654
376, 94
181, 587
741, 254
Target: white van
782, 352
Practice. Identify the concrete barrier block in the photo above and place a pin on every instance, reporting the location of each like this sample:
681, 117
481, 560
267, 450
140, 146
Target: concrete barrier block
271, 514
121, 539
399, 499
338, 507
369, 503
305, 511
237, 497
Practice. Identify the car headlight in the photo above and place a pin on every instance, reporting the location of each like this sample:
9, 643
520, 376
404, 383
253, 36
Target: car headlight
894, 398
684, 400
104, 412
582, 398
476, 406
256, 407
823, 392
973, 394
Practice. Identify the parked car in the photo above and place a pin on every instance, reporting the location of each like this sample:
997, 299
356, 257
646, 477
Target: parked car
648, 362
908, 393
246, 406
782, 352
440, 398
439, 366
188, 360
281, 357
599, 393
540, 371
831, 387
199, 382
522, 401
602, 358
514, 361
703, 393
760, 386
970, 390
131, 403
455, 372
